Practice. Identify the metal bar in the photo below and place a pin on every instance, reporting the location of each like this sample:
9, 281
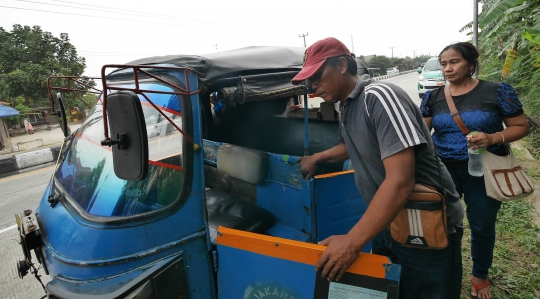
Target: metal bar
135, 90
105, 92
306, 123
138, 90
166, 117
71, 81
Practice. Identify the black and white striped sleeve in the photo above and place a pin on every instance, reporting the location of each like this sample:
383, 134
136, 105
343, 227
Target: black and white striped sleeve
393, 121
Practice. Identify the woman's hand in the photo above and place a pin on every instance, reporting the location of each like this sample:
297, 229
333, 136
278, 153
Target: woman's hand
479, 140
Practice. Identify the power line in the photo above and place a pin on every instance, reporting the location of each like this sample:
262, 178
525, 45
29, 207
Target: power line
101, 17
115, 10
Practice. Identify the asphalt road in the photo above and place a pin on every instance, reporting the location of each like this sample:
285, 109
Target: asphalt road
21, 191
409, 83
25, 190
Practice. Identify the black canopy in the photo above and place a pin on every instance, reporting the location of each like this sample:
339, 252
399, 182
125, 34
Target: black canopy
234, 62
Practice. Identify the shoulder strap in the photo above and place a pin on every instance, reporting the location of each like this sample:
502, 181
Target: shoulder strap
454, 112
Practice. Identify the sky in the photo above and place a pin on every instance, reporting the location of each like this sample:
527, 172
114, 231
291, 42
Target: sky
119, 31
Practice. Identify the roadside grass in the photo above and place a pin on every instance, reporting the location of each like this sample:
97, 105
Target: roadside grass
515, 272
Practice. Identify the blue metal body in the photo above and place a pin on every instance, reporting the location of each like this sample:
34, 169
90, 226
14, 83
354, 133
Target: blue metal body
92, 249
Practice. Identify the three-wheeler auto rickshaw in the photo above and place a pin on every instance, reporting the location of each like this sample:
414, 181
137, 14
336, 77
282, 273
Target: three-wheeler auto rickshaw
182, 182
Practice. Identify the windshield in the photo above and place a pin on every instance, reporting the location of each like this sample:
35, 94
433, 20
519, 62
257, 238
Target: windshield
432, 65
87, 172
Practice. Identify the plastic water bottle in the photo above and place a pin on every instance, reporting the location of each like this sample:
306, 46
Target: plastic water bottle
476, 164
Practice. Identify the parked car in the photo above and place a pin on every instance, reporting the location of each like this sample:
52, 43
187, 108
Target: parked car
392, 71
431, 76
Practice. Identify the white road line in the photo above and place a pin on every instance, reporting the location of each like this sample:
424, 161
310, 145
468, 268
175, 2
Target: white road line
8, 228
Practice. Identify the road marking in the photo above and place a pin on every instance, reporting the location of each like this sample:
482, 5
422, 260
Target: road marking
8, 228
21, 175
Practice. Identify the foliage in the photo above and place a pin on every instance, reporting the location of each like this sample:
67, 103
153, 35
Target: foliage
18, 102
515, 272
509, 44
512, 27
382, 62
29, 56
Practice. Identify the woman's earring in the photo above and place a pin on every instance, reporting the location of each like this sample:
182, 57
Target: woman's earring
472, 72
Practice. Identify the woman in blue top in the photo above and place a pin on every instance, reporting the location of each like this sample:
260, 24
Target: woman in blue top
484, 107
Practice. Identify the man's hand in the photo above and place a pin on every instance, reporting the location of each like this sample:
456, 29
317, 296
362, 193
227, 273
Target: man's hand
338, 257
308, 165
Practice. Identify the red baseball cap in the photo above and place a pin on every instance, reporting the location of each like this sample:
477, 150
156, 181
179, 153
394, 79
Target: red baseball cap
316, 55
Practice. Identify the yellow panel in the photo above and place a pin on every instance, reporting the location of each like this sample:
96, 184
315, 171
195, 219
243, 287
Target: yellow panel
307, 253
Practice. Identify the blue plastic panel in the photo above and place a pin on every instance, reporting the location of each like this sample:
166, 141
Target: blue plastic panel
339, 205
243, 274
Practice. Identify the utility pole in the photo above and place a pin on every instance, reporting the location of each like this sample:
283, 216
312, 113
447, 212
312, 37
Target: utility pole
304, 36
475, 28
414, 54
392, 52
352, 44
475, 23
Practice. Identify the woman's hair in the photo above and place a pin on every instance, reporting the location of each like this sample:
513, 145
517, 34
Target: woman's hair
467, 50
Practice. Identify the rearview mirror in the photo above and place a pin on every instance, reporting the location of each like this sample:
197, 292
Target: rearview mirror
419, 70
61, 115
129, 141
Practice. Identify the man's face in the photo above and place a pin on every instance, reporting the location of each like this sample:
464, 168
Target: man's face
327, 83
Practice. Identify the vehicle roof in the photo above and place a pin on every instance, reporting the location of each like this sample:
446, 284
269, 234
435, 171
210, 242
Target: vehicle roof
229, 63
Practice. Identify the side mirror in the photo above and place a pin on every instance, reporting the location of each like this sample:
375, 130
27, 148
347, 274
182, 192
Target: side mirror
129, 141
419, 70
61, 115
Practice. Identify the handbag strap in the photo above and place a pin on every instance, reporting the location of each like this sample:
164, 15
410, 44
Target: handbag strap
454, 112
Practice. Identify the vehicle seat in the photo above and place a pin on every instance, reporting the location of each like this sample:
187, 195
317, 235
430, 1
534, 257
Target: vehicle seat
228, 210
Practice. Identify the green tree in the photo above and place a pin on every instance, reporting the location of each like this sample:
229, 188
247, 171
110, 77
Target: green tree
28, 57
381, 62
509, 43
21, 107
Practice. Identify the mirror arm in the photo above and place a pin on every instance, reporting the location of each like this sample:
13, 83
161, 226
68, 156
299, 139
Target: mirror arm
121, 141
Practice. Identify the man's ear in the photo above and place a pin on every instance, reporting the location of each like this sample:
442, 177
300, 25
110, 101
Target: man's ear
342, 65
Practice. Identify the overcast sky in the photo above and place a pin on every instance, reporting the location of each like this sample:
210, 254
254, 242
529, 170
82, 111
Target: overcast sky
120, 31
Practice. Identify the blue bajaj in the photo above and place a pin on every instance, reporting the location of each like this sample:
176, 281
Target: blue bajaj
183, 183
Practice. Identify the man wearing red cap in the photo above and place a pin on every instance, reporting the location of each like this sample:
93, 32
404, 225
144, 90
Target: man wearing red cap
382, 127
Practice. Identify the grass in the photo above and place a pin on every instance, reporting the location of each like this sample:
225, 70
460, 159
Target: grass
515, 272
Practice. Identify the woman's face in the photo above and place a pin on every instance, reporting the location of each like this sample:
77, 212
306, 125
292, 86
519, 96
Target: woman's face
454, 67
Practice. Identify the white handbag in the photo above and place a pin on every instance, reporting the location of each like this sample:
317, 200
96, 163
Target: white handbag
505, 179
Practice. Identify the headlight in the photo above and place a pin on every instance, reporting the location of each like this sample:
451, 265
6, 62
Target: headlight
421, 78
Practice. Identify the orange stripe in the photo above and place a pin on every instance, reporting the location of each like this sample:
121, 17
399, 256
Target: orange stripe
166, 165
306, 253
83, 137
333, 174
162, 108
80, 136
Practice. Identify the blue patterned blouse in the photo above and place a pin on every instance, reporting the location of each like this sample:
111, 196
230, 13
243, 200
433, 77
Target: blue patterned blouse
482, 109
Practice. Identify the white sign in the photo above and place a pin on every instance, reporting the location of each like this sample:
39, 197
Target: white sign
344, 291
